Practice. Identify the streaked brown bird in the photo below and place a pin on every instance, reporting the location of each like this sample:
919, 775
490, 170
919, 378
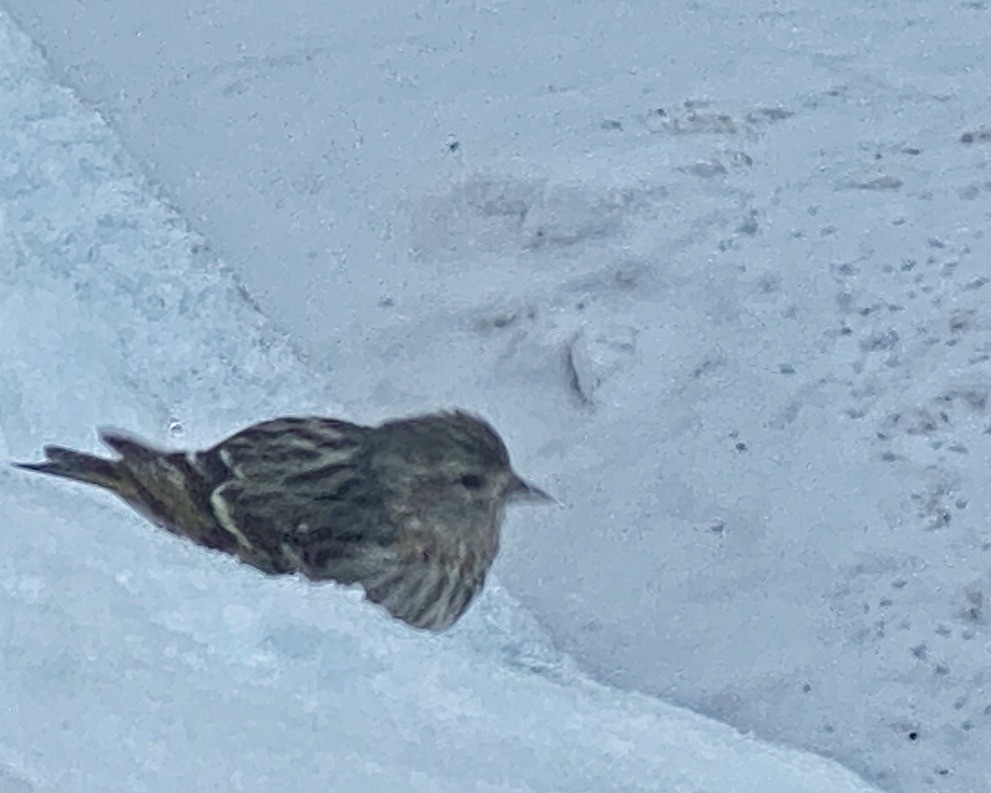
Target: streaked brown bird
410, 509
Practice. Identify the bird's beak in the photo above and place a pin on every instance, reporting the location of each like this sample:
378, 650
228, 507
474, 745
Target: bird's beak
521, 490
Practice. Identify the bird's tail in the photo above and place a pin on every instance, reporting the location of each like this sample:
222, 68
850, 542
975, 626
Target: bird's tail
114, 475
160, 485
93, 470
82, 467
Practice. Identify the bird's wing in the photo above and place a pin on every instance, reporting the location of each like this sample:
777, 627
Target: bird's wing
290, 488
321, 532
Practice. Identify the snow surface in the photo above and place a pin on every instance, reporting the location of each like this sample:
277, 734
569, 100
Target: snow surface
720, 275
134, 662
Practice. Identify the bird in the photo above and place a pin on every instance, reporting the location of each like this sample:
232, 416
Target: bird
410, 510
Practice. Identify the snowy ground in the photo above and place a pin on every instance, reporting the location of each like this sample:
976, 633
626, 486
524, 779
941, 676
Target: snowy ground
132, 662
721, 279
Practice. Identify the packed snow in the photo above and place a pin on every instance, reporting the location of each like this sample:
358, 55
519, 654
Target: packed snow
719, 275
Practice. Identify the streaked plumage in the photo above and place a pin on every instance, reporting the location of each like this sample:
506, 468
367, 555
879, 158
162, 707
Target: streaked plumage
410, 510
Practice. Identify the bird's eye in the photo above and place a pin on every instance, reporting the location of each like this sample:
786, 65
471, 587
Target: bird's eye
472, 481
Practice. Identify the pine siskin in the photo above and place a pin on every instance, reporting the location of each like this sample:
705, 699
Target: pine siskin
410, 510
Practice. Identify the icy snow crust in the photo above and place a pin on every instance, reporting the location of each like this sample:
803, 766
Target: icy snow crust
720, 277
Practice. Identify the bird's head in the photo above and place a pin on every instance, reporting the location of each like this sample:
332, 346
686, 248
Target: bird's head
454, 465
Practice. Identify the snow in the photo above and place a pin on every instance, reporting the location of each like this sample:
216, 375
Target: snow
718, 275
